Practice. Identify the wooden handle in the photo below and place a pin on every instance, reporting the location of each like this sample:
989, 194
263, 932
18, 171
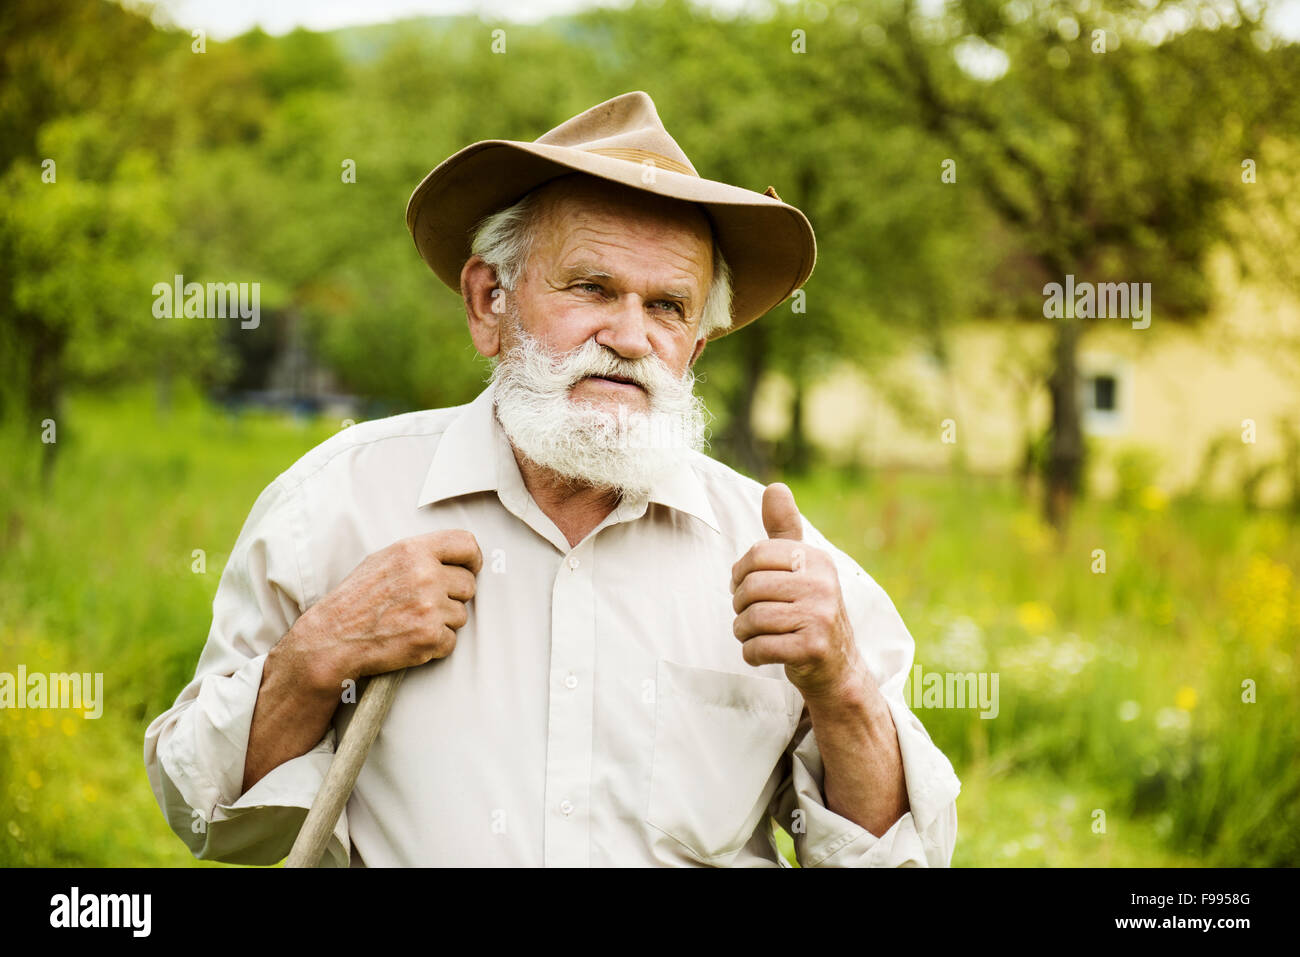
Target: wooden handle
342, 774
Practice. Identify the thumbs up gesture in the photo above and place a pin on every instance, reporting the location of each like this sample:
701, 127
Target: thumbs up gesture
789, 607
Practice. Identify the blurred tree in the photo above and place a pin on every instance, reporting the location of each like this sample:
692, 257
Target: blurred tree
84, 207
1108, 137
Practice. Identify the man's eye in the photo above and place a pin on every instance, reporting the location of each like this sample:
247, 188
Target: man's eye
588, 287
674, 306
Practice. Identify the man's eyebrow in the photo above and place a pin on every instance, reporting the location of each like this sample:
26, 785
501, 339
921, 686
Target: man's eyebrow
583, 271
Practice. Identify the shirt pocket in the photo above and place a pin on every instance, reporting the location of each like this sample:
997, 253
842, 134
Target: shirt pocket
718, 740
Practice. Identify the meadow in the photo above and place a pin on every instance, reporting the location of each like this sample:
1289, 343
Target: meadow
1148, 714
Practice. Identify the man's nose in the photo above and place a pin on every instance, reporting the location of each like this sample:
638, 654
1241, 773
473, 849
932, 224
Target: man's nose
624, 329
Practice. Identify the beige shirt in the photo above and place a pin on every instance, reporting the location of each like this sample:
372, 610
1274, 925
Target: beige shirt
596, 710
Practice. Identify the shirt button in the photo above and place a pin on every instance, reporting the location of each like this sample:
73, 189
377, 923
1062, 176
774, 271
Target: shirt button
566, 807
573, 561
571, 682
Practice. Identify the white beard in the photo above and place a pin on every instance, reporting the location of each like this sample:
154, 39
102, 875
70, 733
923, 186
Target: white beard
624, 450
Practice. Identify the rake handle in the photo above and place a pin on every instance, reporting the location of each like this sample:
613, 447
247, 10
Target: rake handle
335, 790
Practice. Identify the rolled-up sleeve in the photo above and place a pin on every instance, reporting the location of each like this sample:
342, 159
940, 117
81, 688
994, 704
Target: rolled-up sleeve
926, 834
194, 752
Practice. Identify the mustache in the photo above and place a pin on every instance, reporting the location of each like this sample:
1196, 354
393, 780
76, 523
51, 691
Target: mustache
607, 365
567, 369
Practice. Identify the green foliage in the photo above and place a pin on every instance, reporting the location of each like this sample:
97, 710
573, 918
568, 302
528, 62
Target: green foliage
1123, 691
1086, 133
1135, 472
97, 577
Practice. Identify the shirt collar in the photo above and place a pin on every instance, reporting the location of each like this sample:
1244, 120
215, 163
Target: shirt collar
475, 455
467, 457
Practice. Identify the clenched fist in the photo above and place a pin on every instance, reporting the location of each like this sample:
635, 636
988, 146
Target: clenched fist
399, 608
789, 607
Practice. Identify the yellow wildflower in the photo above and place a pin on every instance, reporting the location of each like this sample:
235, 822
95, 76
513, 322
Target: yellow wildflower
1153, 498
1035, 616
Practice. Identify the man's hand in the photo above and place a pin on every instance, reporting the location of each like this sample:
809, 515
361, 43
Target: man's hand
789, 607
399, 608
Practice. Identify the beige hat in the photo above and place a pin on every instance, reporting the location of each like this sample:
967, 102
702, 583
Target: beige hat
768, 244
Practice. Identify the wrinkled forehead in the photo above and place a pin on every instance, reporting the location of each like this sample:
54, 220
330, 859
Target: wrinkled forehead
578, 210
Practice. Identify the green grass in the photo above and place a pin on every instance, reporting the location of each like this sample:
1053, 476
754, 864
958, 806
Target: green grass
1119, 692
96, 576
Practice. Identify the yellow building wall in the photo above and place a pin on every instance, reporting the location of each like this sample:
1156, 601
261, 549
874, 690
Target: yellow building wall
1181, 387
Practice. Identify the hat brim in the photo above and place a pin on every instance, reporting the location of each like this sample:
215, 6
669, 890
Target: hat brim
768, 244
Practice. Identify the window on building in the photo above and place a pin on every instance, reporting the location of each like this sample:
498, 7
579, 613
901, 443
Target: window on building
1103, 397
1103, 393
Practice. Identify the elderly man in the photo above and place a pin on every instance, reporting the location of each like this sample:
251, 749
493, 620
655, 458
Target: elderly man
621, 651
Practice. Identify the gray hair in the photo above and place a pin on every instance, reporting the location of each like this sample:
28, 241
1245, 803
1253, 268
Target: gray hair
504, 240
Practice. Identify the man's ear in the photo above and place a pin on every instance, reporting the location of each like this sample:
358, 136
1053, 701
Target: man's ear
484, 305
699, 347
